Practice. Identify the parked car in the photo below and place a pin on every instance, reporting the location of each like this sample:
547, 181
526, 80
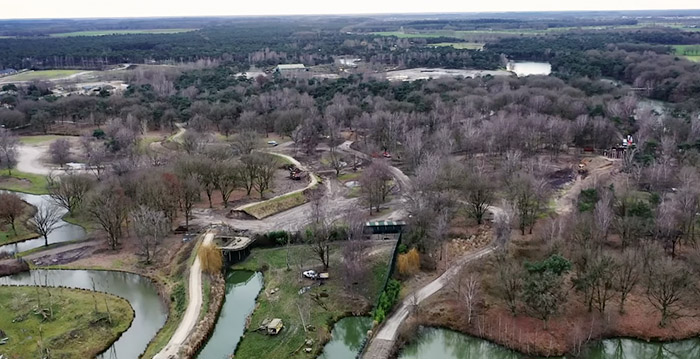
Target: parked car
311, 274
272, 143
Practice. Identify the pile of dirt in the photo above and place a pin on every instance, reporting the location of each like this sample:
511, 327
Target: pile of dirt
63, 257
14, 182
12, 266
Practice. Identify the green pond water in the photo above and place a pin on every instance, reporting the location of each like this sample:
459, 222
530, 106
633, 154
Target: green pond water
241, 290
446, 344
347, 337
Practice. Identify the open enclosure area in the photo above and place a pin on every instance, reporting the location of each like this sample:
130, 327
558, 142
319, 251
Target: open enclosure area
60, 323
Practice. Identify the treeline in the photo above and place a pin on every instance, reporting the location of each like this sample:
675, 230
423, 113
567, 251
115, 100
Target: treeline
639, 58
267, 43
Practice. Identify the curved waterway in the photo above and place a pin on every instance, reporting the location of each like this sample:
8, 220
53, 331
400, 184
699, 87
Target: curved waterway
447, 344
346, 338
150, 312
242, 288
64, 233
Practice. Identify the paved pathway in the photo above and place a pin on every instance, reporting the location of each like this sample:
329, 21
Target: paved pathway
194, 304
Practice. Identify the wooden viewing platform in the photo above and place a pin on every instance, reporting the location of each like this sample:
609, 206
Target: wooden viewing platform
231, 246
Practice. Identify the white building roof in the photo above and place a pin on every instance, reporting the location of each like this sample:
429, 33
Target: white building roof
290, 67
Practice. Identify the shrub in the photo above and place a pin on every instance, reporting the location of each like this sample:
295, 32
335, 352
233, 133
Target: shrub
409, 263
211, 259
179, 297
387, 300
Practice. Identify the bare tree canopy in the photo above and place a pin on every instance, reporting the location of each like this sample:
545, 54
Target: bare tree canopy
109, 207
69, 191
45, 220
59, 151
150, 227
11, 208
8, 150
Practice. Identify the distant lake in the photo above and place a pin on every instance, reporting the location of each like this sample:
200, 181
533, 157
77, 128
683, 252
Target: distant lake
528, 68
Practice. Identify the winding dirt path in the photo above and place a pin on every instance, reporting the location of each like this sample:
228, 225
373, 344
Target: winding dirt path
312, 183
194, 305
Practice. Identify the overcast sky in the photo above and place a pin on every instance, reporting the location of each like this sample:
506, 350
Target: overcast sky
144, 8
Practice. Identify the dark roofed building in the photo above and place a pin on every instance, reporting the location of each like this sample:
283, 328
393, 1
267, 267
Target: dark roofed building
7, 72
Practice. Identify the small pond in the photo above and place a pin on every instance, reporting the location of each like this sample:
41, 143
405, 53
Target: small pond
447, 344
347, 337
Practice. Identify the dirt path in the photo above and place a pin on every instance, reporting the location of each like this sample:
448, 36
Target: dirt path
194, 305
601, 170
181, 131
29, 159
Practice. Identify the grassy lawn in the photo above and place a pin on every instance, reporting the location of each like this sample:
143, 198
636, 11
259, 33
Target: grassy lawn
35, 140
74, 331
41, 75
23, 182
350, 176
460, 45
690, 52
403, 35
276, 205
120, 32
321, 306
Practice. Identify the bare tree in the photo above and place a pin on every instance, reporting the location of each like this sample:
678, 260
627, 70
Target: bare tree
245, 142
109, 207
469, 288
376, 184
150, 227
8, 150
668, 284
11, 208
319, 231
603, 216
59, 151
479, 192
193, 141
510, 280
502, 225
354, 250
226, 180
265, 166
69, 191
190, 192
627, 275
528, 193
45, 220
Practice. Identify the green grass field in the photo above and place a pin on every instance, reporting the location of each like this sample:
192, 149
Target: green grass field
23, 182
276, 205
120, 32
35, 140
404, 35
460, 45
40, 75
690, 52
321, 306
74, 330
